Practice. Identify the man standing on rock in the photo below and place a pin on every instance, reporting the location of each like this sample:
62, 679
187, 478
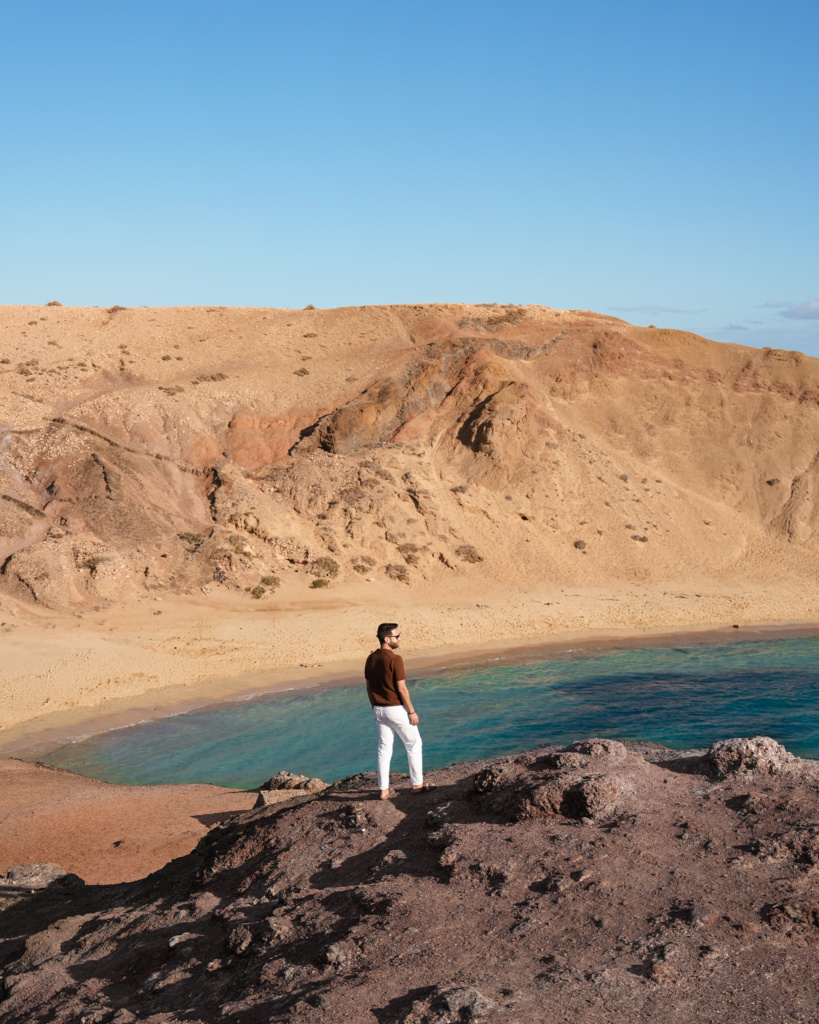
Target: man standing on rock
393, 710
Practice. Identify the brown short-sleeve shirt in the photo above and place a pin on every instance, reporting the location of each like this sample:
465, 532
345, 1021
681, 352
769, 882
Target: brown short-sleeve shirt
382, 672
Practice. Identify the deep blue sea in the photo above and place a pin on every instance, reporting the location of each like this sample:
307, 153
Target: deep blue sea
683, 697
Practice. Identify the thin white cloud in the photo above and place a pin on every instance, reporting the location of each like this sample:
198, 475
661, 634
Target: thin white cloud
804, 311
775, 303
735, 327
654, 309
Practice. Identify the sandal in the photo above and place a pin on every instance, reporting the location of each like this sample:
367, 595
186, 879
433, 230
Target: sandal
390, 793
425, 788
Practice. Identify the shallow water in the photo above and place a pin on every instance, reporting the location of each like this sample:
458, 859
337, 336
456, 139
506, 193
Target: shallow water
683, 697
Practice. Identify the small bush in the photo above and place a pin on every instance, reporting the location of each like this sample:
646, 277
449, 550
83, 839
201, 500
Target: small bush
411, 553
624, 477
301, 372
580, 544
317, 584
323, 567
468, 553
460, 489
92, 563
636, 536
310, 335
258, 592
54, 302
191, 538
116, 309
271, 581
397, 572
166, 359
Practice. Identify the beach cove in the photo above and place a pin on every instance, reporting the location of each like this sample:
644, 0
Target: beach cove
678, 692
66, 679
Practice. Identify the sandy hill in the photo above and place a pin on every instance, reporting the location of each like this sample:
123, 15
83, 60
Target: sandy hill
503, 460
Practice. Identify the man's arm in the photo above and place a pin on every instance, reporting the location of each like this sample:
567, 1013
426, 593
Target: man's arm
403, 693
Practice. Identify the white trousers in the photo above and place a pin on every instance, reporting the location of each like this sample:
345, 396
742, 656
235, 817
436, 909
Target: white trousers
391, 721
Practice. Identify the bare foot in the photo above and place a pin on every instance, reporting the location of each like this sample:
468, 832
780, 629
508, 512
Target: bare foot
387, 793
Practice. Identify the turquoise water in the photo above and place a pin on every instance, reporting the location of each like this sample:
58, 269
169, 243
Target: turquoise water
682, 697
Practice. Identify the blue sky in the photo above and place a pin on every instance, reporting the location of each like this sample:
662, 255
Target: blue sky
655, 161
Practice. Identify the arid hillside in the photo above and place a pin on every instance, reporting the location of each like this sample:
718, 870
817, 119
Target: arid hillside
273, 483
150, 450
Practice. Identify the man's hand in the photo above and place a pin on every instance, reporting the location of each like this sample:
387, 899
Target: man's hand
413, 718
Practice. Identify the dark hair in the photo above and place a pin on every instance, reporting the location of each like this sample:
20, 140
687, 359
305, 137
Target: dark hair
383, 629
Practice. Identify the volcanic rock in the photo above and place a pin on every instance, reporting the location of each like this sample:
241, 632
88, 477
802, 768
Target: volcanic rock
38, 876
453, 905
747, 756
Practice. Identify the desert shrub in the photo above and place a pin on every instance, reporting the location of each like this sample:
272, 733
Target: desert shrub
165, 359
317, 584
54, 302
191, 538
580, 544
301, 372
359, 567
636, 536
468, 553
624, 477
271, 581
92, 562
116, 309
258, 592
460, 489
323, 567
353, 494
397, 572
411, 553
310, 335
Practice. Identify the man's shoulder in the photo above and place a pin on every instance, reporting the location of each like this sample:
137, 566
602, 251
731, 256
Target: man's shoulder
373, 657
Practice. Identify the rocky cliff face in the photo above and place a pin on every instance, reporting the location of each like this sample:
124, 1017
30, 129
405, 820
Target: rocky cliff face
597, 882
150, 450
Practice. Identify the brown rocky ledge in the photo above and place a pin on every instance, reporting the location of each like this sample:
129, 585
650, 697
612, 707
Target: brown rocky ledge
597, 882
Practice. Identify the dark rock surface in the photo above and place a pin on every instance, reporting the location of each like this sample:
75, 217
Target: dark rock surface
594, 883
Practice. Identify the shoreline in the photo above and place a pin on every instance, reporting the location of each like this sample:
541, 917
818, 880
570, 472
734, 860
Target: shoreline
29, 741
